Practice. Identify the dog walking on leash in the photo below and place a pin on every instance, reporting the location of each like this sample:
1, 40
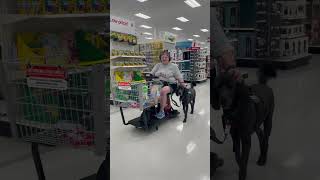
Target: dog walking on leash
245, 110
187, 96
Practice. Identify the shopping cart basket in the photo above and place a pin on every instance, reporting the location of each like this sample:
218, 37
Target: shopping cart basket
58, 106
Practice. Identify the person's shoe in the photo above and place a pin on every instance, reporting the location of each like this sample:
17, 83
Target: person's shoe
160, 115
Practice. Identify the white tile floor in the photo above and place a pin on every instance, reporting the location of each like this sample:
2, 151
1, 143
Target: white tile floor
294, 143
175, 151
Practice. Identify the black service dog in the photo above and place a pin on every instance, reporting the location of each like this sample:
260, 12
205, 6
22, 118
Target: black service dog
246, 109
187, 96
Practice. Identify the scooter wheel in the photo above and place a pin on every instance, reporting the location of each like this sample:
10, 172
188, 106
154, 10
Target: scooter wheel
157, 128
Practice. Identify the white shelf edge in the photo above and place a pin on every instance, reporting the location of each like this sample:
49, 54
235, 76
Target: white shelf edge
116, 67
15, 18
181, 61
119, 57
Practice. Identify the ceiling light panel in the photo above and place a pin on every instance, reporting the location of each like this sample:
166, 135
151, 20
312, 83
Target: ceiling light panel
147, 33
204, 30
142, 0
192, 3
183, 19
145, 26
148, 37
143, 16
177, 29
196, 35
190, 39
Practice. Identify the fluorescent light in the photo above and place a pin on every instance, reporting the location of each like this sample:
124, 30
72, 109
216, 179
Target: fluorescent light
204, 30
142, 0
143, 16
145, 26
192, 3
196, 35
177, 29
182, 19
190, 39
148, 37
147, 33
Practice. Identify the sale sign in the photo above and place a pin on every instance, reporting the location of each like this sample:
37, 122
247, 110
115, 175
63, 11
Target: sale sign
47, 77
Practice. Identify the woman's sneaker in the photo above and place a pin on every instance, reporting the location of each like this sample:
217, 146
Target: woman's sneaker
160, 115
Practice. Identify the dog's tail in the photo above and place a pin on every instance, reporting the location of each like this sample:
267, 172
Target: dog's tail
266, 72
193, 84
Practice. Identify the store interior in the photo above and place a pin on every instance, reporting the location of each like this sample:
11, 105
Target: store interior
172, 150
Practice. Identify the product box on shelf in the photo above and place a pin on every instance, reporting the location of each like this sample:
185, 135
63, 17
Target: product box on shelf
68, 6
77, 48
51, 6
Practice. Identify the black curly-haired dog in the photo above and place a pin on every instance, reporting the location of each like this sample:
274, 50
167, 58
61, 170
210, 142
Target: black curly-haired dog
246, 108
187, 96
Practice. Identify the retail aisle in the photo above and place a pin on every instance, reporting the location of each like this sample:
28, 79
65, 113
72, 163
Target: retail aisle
175, 151
294, 143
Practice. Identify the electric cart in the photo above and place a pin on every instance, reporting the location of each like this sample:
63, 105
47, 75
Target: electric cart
144, 96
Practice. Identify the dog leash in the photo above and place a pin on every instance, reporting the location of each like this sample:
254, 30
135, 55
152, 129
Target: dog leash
173, 101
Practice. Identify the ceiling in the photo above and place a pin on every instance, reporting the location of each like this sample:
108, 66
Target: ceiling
163, 16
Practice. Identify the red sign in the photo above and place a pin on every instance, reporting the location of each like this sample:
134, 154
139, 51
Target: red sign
120, 22
124, 85
194, 48
53, 72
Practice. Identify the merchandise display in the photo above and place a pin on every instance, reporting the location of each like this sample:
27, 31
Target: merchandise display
152, 52
191, 61
68, 48
38, 7
121, 37
116, 52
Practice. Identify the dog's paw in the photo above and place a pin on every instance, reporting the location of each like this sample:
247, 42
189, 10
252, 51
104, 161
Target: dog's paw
184, 121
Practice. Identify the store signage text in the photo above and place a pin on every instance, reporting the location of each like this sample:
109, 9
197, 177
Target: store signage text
122, 25
47, 77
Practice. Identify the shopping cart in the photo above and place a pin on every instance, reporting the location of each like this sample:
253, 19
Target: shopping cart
143, 95
58, 106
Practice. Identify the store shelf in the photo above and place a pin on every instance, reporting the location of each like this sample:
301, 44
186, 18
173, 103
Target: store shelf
181, 61
126, 57
16, 18
138, 66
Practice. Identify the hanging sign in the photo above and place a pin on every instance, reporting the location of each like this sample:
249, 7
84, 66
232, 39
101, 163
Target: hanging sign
47, 77
122, 25
169, 37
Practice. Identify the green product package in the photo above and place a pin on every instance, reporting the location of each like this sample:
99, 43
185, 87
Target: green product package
137, 76
88, 51
34, 110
